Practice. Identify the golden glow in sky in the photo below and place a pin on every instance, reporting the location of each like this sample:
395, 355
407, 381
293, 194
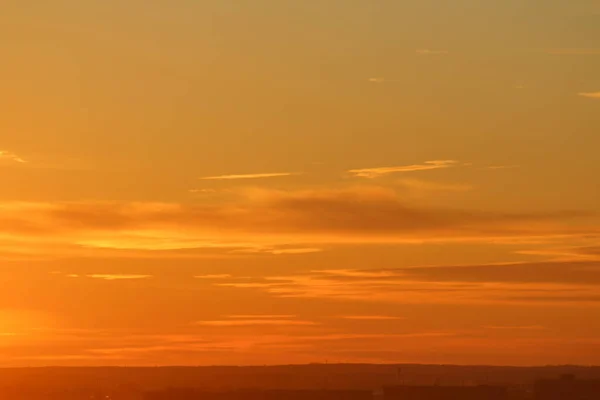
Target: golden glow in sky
261, 182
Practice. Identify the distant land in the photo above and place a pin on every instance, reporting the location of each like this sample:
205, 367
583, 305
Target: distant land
311, 376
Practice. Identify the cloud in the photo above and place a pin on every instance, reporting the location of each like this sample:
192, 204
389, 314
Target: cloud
214, 276
566, 254
517, 327
382, 80
372, 318
592, 95
96, 347
428, 52
8, 156
307, 250
517, 283
110, 277
249, 176
256, 320
283, 222
591, 251
281, 250
381, 171
350, 273
262, 316
205, 344
203, 191
118, 277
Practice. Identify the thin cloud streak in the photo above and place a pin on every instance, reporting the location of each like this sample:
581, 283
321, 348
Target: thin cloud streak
213, 276
6, 155
308, 250
278, 251
592, 95
372, 318
516, 327
248, 176
117, 277
381, 171
428, 52
256, 320
382, 80
262, 316
110, 277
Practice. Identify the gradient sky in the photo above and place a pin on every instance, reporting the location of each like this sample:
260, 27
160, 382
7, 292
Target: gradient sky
288, 181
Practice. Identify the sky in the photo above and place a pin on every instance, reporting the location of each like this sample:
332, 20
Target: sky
259, 182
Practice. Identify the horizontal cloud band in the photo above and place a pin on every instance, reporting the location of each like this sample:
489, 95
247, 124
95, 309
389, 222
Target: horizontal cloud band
365, 214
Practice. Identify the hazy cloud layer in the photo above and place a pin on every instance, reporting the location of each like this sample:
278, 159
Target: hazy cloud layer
267, 219
212, 343
544, 282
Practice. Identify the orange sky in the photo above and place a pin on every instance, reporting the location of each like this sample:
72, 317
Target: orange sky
284, 181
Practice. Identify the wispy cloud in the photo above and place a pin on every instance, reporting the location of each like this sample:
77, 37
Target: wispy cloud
249, 176
213, 276
203, 191
593, 95
516, 327
518, 283
118, 277
382, 80
256, 320
8, 156
262, 316
110, 277
372, 317
281, 250
381, 171
566, 254
306, 250
429, 52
